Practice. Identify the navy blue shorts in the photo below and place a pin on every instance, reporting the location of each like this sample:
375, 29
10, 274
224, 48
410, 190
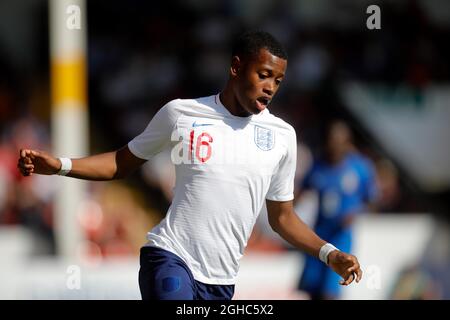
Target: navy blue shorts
164, 276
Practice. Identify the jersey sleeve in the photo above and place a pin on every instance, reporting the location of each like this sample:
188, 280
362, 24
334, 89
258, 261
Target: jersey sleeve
281, 187
156, 136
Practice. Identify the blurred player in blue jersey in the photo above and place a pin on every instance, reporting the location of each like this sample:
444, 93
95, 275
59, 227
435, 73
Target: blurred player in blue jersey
345, 183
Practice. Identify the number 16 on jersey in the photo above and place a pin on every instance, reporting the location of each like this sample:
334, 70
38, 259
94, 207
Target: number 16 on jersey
202, 146
192, 147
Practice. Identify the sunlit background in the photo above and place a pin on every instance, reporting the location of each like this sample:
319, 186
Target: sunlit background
391, 85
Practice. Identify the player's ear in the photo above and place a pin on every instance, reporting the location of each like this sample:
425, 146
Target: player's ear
236, 63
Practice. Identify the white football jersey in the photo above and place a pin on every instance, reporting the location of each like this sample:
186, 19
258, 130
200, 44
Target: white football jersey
226, 166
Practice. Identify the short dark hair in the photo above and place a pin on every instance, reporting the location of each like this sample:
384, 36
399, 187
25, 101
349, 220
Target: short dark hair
250, 42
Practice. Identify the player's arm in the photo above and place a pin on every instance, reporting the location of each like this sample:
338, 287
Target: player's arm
290, 227
105, 166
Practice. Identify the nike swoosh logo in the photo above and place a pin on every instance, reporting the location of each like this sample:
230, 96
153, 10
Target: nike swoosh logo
195, 124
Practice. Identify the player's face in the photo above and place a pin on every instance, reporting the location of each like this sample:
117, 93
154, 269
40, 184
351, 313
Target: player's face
339, 140
258, 79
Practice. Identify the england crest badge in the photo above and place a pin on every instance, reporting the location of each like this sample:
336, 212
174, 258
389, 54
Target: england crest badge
264, 138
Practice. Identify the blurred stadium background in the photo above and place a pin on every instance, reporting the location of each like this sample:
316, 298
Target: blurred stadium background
392, 86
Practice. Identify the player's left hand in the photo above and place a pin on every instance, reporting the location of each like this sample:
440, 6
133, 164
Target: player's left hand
346, 265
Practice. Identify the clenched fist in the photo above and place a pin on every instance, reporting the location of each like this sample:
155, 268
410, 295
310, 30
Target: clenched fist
33, 161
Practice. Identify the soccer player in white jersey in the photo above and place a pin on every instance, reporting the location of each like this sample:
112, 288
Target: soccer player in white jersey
231, 155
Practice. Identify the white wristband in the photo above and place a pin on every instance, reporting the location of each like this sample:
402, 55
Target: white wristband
66, 166
325, 251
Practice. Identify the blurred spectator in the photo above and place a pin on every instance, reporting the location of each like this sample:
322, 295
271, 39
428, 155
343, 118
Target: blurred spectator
29, 199
390, 196
7, 178
114, 220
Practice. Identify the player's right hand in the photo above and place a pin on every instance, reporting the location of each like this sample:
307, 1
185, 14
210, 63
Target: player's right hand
33, 161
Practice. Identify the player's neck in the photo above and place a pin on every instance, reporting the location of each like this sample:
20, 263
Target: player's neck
230, 102
335, 159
